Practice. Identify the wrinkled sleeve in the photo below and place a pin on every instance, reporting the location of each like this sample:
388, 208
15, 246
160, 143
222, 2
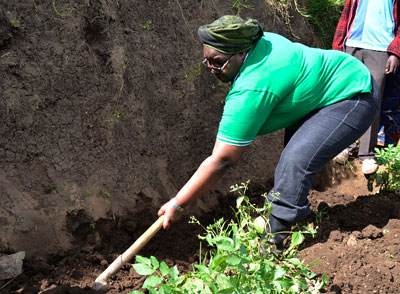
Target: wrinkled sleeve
341, 29
244, 114
394, 46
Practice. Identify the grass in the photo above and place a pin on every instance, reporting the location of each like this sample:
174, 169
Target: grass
146, 25
239, 5
324, 16
14, 22
60, 12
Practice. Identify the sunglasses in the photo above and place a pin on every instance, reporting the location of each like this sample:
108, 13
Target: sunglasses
215, 68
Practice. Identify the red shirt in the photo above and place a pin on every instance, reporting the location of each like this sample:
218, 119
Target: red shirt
347, 18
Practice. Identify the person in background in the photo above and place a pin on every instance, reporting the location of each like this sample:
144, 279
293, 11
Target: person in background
389, 132
368, 30
328, 97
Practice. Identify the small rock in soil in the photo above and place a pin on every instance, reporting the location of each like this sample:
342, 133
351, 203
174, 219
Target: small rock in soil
336, 236
357, 234
390, 264
44, 284
11, 265
372, 232
352, 241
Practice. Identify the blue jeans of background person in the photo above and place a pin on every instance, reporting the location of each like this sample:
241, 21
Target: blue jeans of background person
322, 135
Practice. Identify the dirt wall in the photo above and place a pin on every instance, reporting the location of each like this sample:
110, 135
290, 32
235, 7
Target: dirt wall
106, 111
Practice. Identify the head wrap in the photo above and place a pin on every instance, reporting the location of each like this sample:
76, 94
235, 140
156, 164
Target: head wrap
231, 34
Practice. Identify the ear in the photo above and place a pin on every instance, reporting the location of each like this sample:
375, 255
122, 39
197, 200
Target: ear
242, 55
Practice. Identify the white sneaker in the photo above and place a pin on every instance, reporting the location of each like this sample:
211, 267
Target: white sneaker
369, 166
342, 157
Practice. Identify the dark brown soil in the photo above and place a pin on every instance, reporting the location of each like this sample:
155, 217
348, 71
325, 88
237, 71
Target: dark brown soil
105, 112
357, 245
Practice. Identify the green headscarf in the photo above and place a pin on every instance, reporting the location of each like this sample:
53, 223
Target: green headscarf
231, 34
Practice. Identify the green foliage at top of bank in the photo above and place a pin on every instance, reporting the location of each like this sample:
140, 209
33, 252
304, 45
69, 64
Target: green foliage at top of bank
324, 16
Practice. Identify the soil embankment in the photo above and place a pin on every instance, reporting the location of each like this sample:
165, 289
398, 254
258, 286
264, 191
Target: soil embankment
105, 113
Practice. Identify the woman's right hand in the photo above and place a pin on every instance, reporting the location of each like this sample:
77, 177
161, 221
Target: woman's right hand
171, 214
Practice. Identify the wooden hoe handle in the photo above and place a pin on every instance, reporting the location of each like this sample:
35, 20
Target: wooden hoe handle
101, 281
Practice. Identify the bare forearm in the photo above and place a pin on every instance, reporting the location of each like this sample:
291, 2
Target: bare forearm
205, 178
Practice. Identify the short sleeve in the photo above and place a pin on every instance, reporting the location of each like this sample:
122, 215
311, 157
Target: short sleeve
245, 113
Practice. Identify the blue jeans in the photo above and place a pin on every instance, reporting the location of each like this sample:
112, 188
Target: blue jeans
322, 135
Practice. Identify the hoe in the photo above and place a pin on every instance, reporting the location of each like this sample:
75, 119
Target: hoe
101, 282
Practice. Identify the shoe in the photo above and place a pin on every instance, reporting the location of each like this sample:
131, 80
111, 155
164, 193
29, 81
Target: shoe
280, 229
342, 157
369, 166
272, 247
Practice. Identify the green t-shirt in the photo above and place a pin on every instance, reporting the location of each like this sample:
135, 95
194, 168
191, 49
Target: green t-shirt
280, 82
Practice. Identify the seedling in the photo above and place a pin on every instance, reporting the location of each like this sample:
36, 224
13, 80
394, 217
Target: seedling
105, 193
319, 214
14, 22
388, 176
146, 25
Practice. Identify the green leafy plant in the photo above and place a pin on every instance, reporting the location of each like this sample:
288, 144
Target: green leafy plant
146, 25
388, 176
105, 193
242, 260
324, 16
14, 22
319, 214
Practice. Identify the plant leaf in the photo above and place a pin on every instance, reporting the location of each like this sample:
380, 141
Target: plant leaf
297, 239
143, 269
152, 282
174, 272
233, 259
224, 243
279, 273
259, 224
164, 268
142, 259
239, 201
154, 262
